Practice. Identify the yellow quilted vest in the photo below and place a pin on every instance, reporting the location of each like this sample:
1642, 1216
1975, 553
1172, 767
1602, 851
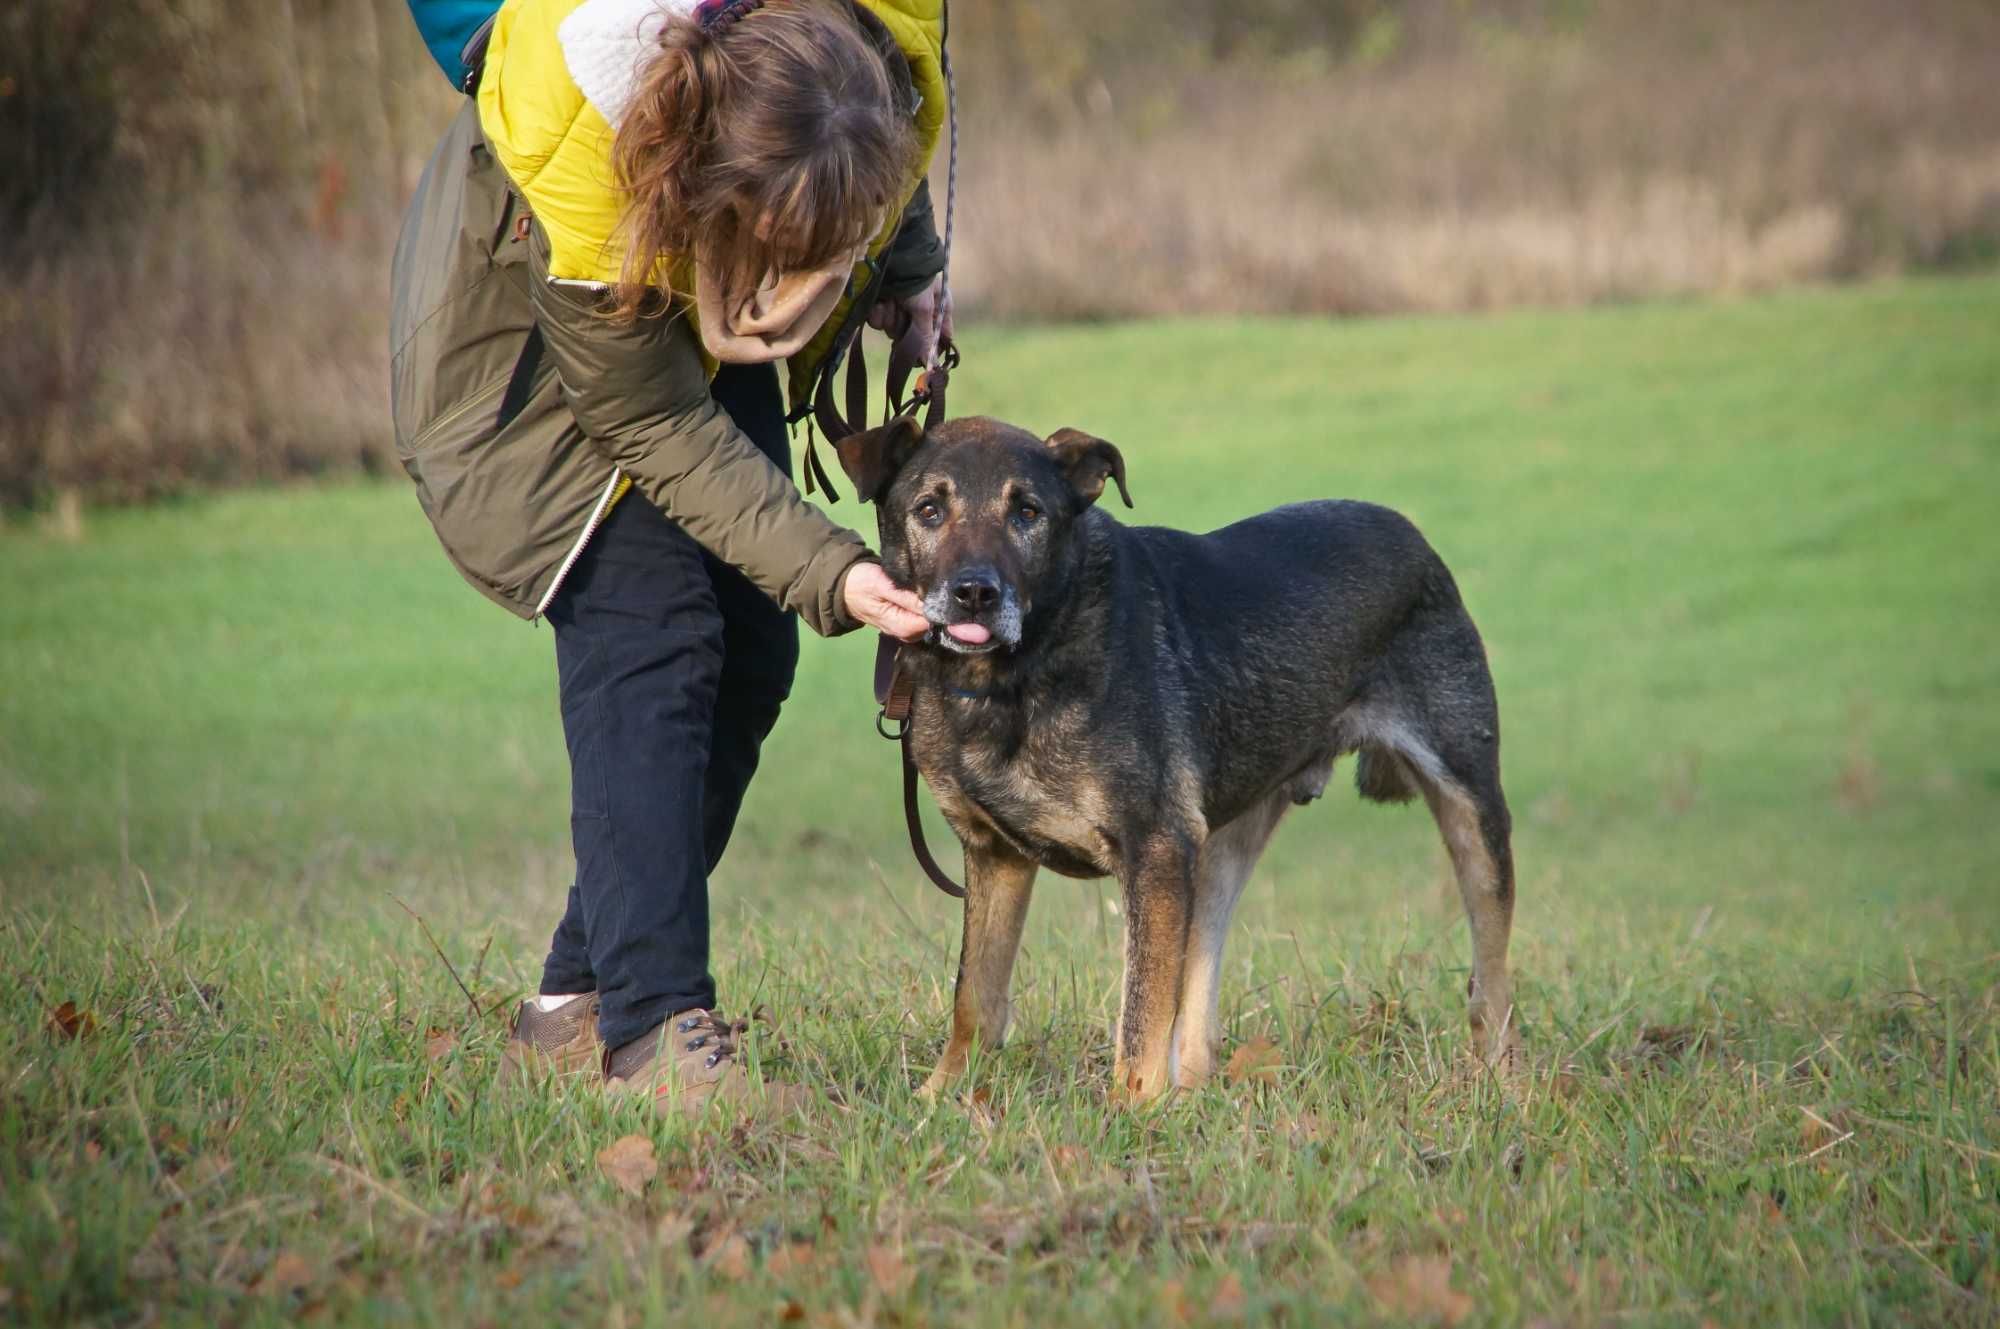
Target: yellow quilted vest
556, 147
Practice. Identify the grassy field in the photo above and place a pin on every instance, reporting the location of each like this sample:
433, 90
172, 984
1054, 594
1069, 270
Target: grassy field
1739, 574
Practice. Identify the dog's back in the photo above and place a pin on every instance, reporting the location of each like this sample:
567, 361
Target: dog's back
1290, 638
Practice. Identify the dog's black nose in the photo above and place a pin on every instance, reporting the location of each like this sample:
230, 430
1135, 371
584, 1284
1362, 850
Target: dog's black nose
976, 592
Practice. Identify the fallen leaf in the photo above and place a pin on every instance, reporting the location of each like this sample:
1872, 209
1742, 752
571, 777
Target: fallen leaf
794, 1257
888, 1270
673, 1230
1256, 1060
67, 1022
439, 1044
287, 1273
729, 1257
791, 1312
1174, 1305
92, 1151
1419, 1287
507, 1279
629, 1162
1228, 1301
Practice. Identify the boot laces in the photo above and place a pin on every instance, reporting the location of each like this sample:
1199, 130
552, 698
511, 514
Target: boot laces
699, 1029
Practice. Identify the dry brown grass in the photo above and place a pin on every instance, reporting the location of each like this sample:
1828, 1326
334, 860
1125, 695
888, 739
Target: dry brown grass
1647, 153
215, 350
200, 297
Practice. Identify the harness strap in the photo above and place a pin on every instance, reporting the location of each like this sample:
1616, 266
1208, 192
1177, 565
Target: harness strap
857, 385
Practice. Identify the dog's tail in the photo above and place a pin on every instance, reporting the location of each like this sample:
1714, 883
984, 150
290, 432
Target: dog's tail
1382, 776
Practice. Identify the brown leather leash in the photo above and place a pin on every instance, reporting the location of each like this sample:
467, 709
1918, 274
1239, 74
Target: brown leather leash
896, 693
894, 690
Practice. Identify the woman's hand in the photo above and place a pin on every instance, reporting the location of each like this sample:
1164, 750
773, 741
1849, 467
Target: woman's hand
880, 603
921, 323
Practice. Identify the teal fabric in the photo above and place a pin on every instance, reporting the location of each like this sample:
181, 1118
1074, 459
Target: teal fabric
446, 25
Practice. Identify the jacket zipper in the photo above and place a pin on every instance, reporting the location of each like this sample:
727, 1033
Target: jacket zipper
576, 550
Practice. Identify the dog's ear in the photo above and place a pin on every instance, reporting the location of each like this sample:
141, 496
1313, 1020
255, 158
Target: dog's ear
1088, 462
872, 457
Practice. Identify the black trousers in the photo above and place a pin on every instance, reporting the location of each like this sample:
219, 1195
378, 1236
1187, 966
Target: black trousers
672, 669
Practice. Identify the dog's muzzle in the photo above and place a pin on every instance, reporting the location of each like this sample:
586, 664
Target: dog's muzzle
972, 612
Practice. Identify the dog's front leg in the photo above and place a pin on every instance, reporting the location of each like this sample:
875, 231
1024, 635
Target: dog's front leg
997, 886
1159, 893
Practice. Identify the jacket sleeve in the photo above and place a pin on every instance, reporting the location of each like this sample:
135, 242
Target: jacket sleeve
916, 255
640, 394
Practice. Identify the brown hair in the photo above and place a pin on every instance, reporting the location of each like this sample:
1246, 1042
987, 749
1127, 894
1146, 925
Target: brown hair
773, 140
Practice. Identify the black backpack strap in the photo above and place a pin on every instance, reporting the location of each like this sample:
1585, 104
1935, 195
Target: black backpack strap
473, 54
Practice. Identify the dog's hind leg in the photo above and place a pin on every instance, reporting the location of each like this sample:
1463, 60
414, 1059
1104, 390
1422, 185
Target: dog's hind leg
998, 885
1220, 874
1454, 761
1475, 830
1438, 733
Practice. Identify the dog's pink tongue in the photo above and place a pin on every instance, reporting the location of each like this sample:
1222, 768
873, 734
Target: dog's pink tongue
969, 633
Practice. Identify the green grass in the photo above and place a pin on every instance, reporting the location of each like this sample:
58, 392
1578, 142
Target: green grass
1738, 571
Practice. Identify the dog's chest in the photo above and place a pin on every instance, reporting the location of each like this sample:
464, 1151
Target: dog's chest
1041, 795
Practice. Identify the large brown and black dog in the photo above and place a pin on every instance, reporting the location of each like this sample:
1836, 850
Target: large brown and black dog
1146, 703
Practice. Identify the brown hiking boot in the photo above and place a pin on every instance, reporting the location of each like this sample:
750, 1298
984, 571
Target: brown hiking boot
693, 1058
562, 1042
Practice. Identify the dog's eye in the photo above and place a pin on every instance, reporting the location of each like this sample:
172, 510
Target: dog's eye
929, 513
1027, 513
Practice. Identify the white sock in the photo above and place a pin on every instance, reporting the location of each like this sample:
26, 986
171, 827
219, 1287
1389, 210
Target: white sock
556, 1001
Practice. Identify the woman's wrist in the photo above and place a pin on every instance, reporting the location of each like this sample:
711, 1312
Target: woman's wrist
846, 621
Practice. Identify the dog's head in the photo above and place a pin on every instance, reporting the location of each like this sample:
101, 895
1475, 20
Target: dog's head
979, 518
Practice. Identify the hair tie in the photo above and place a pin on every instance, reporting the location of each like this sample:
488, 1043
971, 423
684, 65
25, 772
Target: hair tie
719, 13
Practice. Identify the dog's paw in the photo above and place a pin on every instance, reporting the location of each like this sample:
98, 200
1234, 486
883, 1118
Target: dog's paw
1502, 1054
1194, 1066
1498, 1061
1498, 1046
1132, 1089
